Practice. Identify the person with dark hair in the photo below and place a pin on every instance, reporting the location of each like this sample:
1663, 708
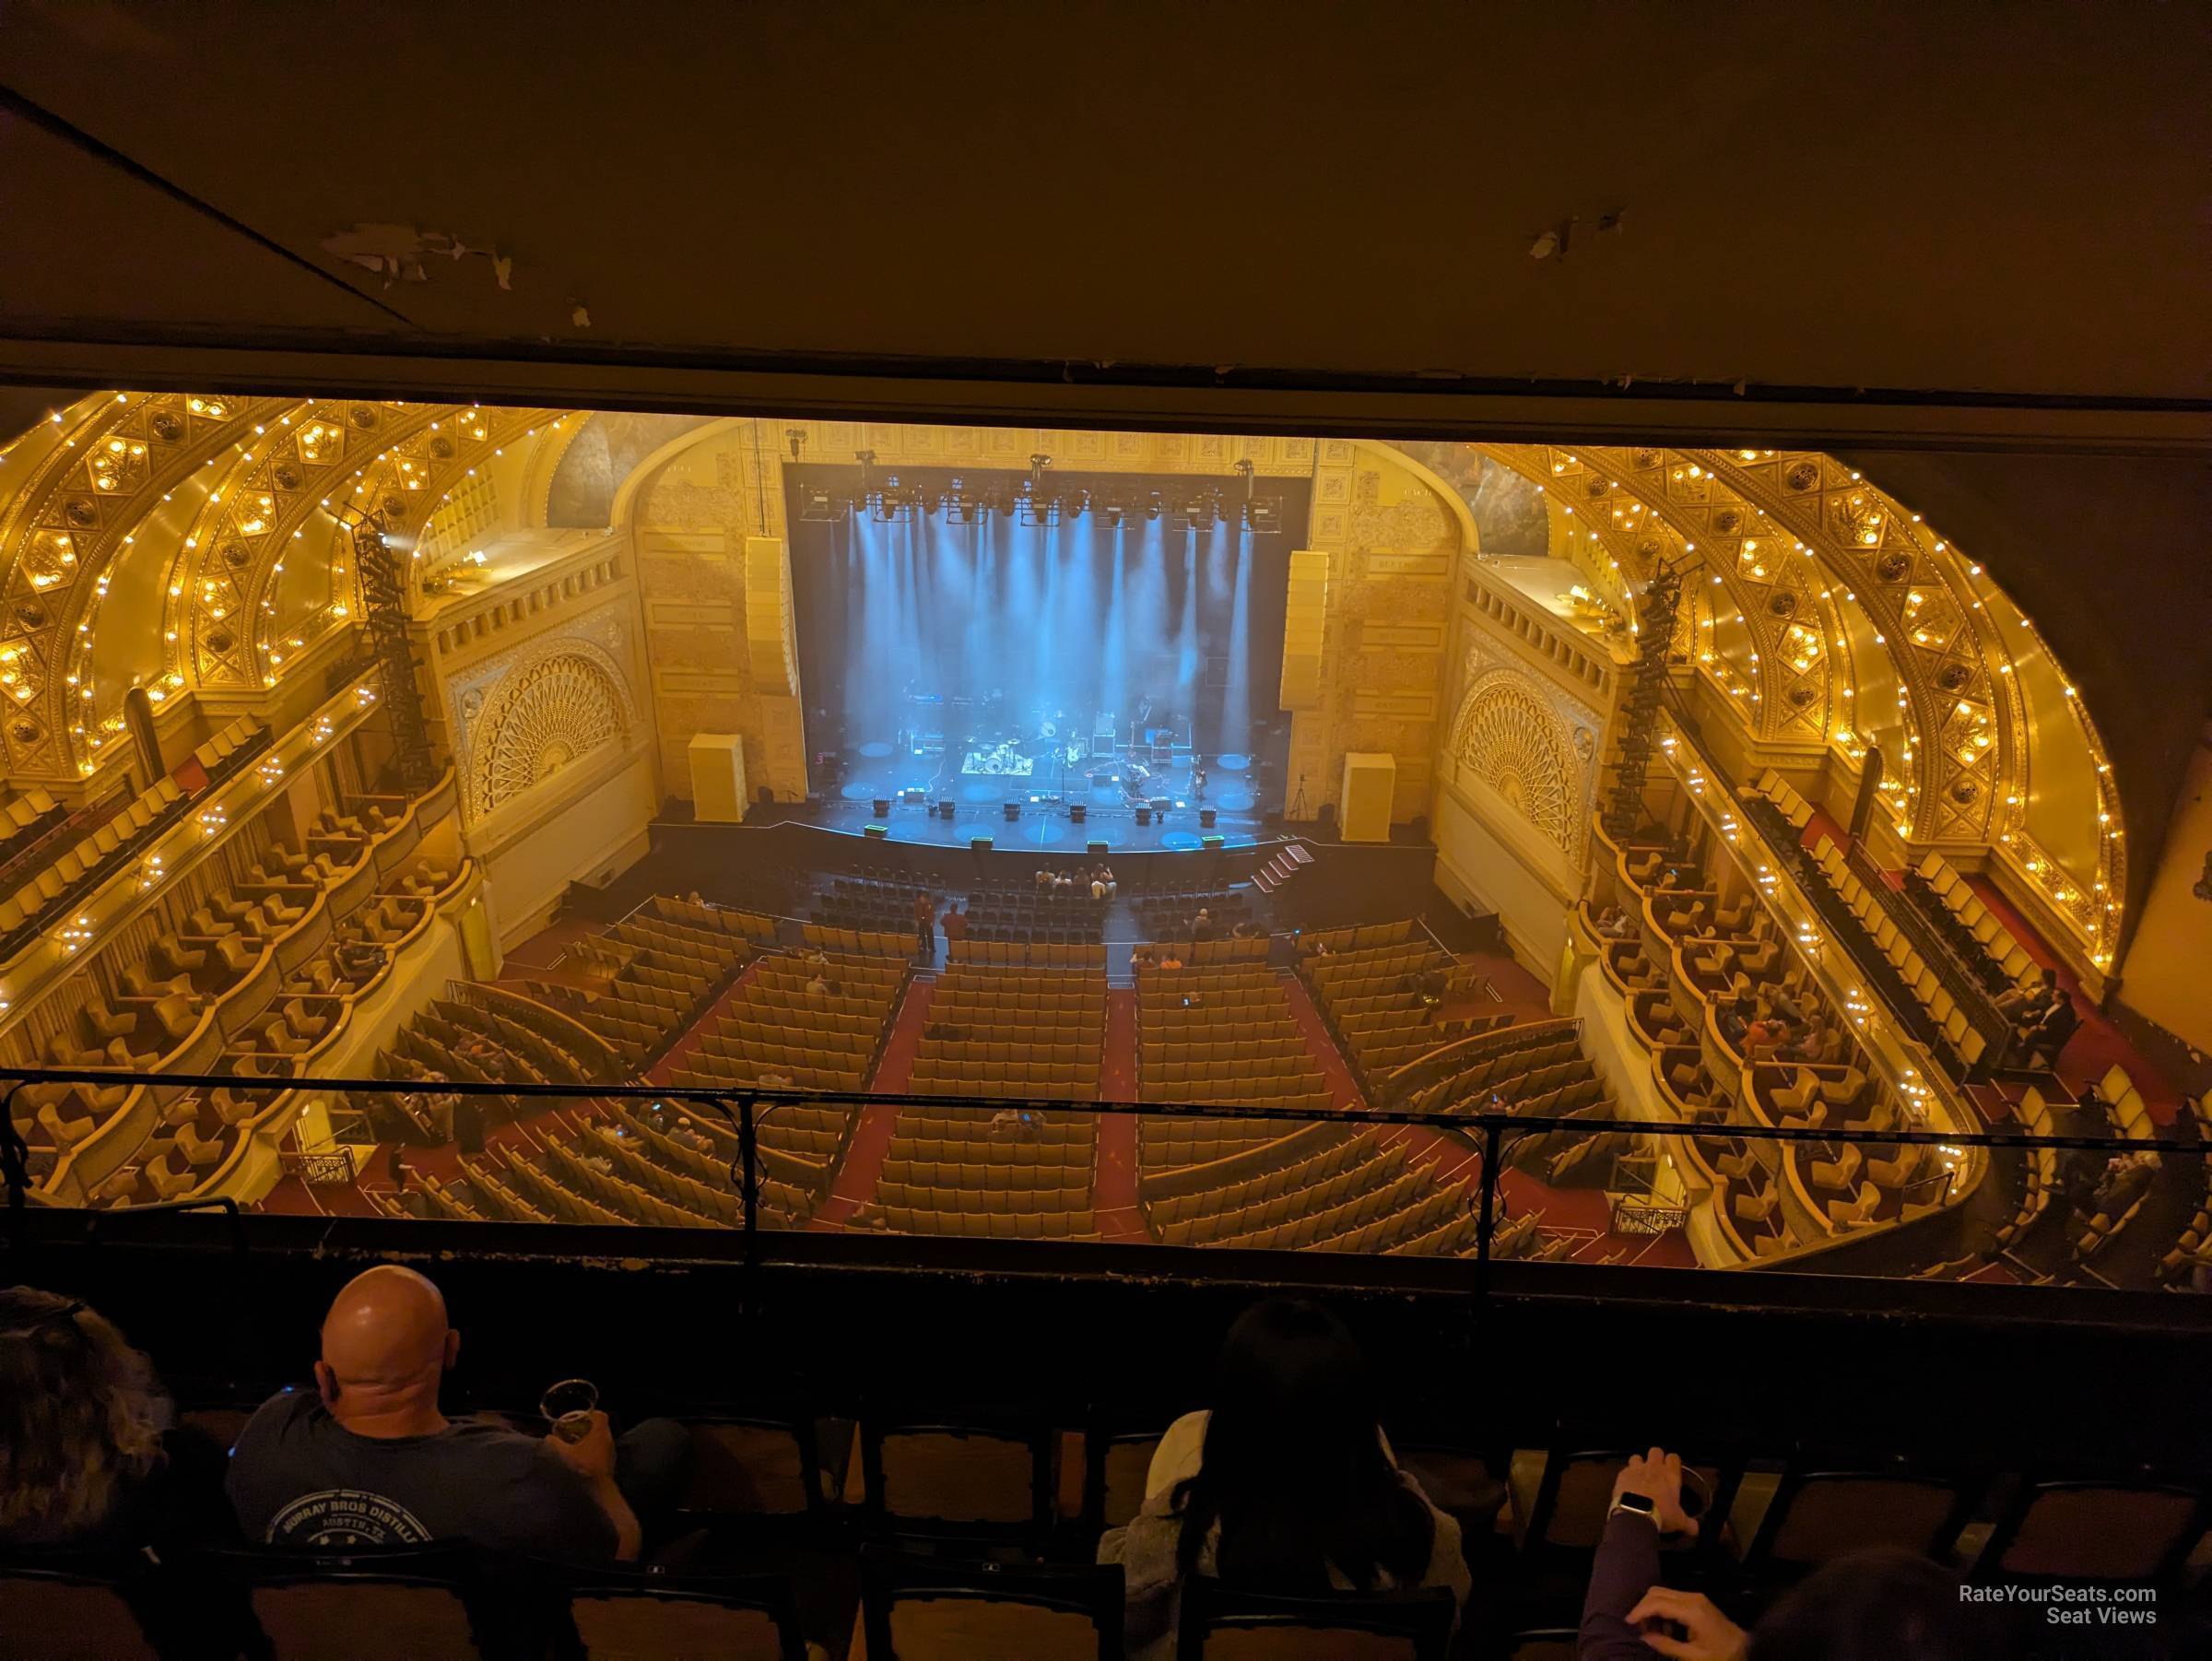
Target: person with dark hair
1878, 1604
1286, 1485
88, 1456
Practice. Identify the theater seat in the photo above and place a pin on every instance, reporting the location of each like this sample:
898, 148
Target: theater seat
927, 1608
753, 1618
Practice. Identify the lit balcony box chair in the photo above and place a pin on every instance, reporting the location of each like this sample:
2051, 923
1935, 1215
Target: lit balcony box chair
165, 1177
928, 1609
170, 956
107, 1023
1753, 1207
66, 1053
1857, 1212
198, 1151
204, 923
1843, 1091
1899, 1167
303, 1020
1840, 1171
97, 1099
138, 983
1793, 1097
67, 1130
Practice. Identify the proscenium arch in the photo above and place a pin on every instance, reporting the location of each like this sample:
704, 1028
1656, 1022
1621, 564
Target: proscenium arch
1863, 638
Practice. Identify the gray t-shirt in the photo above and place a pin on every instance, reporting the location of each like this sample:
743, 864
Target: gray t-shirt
299, 1477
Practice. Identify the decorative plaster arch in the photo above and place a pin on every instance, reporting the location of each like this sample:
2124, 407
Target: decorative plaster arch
1507, 733
562, 690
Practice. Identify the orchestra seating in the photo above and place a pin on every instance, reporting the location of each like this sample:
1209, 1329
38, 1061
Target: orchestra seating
1371, 983
1012, 1175
778, 1036
1008, 1032
1222, 1034
863, 902
1324, 1187
1039, 916
1173, 917
667, 962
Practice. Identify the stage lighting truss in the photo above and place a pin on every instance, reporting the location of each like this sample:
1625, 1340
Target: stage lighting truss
895, 503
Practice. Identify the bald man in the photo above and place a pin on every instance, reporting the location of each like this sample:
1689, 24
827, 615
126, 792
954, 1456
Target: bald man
368, 1459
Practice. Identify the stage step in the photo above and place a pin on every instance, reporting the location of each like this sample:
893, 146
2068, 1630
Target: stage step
1270, 877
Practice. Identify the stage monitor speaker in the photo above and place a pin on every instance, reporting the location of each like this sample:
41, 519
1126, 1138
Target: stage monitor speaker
1095, 846
1078, 812
882, 805
1205, 819
1212, 844
914, 793
876, 832
981, 844
717, 778
1305, 618
1370, 779
1013, 811
945, 808
1143, 816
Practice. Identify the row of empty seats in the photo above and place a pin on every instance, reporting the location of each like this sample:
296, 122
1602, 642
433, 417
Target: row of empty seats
994, 1032
1919, 978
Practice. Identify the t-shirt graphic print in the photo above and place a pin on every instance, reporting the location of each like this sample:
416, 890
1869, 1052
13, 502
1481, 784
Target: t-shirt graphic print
346, 1517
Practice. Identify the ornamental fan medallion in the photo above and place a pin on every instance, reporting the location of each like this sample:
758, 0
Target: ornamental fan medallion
1511, 742
557, 712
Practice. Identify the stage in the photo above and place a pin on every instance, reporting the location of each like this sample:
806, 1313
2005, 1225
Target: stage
1044, 782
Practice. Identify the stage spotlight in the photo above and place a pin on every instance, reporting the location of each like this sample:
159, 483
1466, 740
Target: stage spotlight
1264, 516
797, 437
960, 508
816, 506
1076, 504
1111, 513
1204, 508
1153, 503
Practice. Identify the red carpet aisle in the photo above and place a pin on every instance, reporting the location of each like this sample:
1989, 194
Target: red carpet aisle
854, 1183
1343, 1090
1113, 1192
663, 1072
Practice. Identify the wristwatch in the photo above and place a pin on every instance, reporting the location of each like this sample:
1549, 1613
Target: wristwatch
1634, 1505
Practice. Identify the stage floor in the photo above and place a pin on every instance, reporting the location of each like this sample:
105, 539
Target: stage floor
1048, 830
877, 772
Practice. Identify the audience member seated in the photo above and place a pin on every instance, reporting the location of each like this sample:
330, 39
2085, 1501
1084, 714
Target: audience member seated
367, 1457
1287, 1486
1879, 1602
87, 1455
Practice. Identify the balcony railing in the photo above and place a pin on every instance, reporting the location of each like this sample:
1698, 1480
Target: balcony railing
745, 1174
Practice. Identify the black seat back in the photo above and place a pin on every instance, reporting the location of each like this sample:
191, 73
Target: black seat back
934, 1608
1218, 1624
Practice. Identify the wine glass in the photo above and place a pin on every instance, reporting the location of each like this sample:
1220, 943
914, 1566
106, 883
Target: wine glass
567, 1408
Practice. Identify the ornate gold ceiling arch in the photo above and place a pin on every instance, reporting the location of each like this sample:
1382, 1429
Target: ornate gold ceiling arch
1839, 587
1826, 612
